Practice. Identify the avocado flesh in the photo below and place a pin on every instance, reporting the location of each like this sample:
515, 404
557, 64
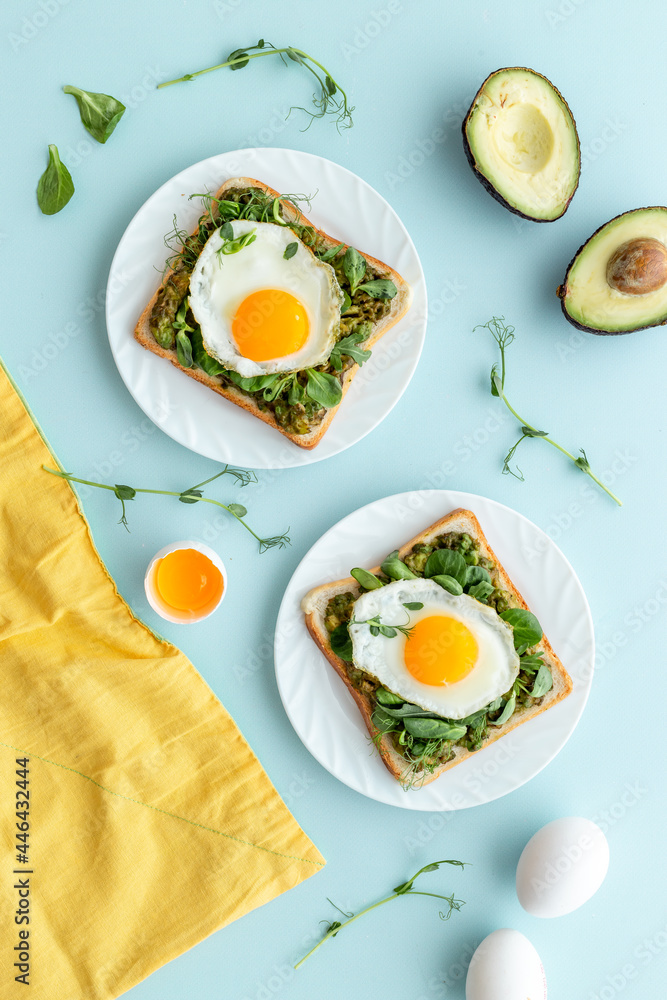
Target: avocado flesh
521, 140
587, 299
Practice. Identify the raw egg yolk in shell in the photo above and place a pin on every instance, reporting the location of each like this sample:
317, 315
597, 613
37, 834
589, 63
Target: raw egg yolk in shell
188, 581
270, 323
440, 650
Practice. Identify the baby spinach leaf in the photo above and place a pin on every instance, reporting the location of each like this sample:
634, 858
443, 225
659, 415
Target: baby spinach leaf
365, 579
527, 629
100, 113
475, 574
183, 349
354, 267
447, 562
382, 721
380, 288
434, 729
506, 712
543, 682
254, 383
409, 711
55, 187
341, 643
530, 662
290, 250
347, 302
395, 568
481, 591
385, 697
328, 255
448, 583
297, 392
323, 388
204, 360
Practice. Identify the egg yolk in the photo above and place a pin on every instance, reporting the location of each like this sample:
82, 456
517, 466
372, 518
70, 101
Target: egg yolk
440, 650
270, 323
187, 580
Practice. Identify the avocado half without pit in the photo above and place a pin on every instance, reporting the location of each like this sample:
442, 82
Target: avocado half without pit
521, 141
617, 281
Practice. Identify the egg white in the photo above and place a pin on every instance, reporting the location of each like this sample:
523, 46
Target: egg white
219, 283
493, 674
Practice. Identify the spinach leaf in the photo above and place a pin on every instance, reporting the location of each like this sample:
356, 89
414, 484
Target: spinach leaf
347, 302
447, 562
395, 568
409, 711
506, 712
448, 583
382, 721
290, 250
55, 187
349, 346
354, 267
100, 113
202, 359
341, 643
183, 349
365, 579
434, 729
385, 697
253, 384
475, 574
527, 629
323, 388
481, 591
380, 288
543, 682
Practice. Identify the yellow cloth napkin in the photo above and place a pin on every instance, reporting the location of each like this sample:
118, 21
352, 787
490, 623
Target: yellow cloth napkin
152, 823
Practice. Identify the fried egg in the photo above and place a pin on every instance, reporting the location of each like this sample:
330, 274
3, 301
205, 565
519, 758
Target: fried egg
459, 655
260, 313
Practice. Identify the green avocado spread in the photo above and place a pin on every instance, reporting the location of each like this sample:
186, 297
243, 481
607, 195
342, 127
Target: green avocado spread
435, 744
171, 319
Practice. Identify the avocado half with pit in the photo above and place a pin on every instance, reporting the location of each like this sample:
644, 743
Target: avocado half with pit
617, 281
521, 141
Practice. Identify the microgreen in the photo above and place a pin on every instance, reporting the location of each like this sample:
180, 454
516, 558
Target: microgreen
404, 889
290, 250
328, 99
193, 495
55, 187
100, 113
377, 627
504, 335
349, 347
231, 244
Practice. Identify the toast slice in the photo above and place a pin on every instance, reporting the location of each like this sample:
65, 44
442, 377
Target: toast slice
399, 305
314, 606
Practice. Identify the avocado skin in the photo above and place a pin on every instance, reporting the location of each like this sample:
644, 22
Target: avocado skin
486, 184
561, 291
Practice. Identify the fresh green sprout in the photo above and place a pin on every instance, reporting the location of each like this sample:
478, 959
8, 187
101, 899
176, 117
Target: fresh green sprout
329, 99
504, 335
405, 889
192, 495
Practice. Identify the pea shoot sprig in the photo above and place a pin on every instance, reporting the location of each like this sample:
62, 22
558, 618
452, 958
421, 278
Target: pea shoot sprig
504, 335
328, 99
192, 495
405, 889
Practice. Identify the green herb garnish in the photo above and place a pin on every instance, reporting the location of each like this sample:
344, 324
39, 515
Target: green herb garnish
405, 889
193, 495
329, 99
290, 250
55, 186
100, 113
378, 628
504, 335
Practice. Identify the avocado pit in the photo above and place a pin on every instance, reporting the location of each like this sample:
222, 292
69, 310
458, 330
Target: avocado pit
638, 267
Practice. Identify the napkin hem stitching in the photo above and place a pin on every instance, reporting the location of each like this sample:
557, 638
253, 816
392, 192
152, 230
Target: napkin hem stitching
138, 802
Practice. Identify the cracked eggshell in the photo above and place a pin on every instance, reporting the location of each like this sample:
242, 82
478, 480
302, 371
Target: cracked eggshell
561, 867
506, 966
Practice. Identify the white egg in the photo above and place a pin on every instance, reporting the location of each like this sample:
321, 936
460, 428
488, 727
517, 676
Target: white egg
562, 866
506, 966
260, 313
459, 657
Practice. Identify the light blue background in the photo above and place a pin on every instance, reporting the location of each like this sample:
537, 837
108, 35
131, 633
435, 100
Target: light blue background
414, 74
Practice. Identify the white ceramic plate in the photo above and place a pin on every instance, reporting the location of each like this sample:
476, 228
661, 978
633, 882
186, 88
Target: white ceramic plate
320, 707
344, 206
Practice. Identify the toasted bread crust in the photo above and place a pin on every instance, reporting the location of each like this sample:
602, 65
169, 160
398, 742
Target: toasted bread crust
399, 306
314, 605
